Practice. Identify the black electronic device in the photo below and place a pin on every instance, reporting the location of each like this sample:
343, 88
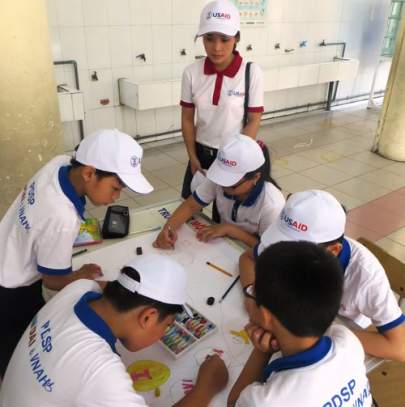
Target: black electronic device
116, 222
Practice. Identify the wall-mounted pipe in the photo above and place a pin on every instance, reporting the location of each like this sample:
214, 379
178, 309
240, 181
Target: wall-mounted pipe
77, 86
333, 86
309, 107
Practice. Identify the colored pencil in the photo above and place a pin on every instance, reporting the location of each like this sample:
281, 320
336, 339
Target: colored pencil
219, 269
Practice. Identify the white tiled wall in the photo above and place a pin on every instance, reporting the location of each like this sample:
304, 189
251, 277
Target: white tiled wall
106, 36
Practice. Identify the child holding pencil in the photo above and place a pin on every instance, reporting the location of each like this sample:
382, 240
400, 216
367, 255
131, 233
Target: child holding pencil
248, 199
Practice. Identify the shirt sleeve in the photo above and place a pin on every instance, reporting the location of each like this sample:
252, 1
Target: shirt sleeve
205, 192
272, 208
380, 304
257, 250
109, 386
256, 90
54, 248
255, 395
186, 89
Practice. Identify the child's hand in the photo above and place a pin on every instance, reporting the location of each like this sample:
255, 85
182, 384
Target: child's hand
166, 238
213, 374
211, 232
262, 340
89, 271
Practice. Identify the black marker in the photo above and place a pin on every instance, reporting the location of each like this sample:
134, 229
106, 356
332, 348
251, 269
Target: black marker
79, 252
229, 289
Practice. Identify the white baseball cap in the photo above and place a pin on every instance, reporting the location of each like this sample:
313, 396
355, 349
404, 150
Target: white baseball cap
221, 17
237, 157
161, 279
314, 216
116, 152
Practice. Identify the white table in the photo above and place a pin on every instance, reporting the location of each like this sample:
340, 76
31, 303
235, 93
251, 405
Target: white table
230, 316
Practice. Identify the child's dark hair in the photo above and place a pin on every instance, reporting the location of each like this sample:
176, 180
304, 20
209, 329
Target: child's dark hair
265, 169
124, 300
99, 173
301, 283
237, 38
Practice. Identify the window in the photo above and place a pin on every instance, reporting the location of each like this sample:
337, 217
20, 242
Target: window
392, 27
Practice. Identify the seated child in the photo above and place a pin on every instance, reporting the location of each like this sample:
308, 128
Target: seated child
67, 355
248, 200
297, 360
316, 216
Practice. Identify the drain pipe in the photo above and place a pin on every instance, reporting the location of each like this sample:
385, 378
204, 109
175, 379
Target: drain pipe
76, 72
290, 111
333, 92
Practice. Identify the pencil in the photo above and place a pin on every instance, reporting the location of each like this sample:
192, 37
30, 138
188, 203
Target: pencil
79, 252
229, 289
219, 269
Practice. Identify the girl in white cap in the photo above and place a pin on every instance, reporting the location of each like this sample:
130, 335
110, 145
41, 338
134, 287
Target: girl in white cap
38, 230
248, 199
213, 90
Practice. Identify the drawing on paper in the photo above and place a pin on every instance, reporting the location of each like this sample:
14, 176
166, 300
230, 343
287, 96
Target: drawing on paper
148, 375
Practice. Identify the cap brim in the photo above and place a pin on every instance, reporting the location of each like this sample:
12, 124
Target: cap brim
136, 182
218, 28
274, 235
221, 177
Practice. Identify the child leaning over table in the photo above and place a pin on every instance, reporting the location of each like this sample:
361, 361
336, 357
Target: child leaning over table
297, 360
67, 355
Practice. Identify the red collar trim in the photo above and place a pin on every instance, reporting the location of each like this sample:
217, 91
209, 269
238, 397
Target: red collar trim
230, 71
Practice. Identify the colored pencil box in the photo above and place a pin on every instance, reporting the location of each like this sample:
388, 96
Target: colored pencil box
185, 332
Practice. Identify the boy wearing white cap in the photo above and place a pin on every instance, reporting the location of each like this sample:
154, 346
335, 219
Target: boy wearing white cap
298, 358
213, 90
248, 200
67, 354
316, 216
38, 230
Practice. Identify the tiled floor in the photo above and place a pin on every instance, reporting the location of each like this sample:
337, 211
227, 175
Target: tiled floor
326, 150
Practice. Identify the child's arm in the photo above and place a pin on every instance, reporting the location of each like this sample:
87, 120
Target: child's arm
226, 229
212, 378
389, 344
167, 237
259, 358
57, 282
247, 268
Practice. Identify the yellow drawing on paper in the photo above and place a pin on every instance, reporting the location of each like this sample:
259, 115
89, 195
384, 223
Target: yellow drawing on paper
148, 375
241, 334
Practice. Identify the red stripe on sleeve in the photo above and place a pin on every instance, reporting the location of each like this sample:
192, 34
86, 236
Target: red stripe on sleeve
186, 104
259, 109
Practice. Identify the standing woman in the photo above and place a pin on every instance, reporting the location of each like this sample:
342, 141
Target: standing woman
213, 88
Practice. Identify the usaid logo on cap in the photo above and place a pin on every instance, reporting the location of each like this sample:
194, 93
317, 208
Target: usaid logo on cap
134, 161
219, 15
226, 162
293, 224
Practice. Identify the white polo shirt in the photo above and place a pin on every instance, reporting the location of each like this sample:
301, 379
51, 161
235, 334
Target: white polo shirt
367, 295
66, 357
254, 215
219, 98
330, 374
38, 230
